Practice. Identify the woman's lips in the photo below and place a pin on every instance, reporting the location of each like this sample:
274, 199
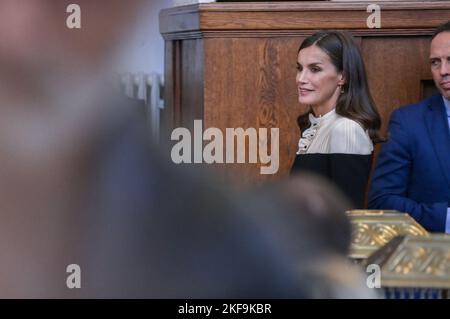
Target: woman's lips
303, 91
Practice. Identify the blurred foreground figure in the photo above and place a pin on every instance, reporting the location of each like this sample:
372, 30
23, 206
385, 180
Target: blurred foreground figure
56, 112
80, 184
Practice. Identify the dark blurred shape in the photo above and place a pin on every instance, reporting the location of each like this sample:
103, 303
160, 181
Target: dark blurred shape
323, 206
168, 232
305, 218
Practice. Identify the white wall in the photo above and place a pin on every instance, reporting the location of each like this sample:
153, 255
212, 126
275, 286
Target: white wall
144, 51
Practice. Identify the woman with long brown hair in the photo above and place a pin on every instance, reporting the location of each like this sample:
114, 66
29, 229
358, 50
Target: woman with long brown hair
339, 131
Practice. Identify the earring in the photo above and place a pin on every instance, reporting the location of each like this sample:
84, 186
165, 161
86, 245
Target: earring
342, 89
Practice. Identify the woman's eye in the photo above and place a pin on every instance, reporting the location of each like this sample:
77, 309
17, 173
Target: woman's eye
315, 70
299, 68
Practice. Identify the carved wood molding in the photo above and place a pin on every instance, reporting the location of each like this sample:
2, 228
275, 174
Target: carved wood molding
287, 19
293, 33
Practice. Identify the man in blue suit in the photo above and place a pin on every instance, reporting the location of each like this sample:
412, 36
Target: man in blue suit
413, 170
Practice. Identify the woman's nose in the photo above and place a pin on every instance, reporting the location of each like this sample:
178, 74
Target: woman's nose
301, 77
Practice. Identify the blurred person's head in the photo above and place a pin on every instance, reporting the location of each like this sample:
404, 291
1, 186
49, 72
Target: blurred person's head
54, 114
51, 95
38, 49
197, 239
440, 59
51, 101
323, 206
193, 239
304, 218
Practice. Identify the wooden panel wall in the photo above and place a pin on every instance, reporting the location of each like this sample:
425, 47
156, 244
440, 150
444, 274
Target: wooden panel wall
251, 83
395, 68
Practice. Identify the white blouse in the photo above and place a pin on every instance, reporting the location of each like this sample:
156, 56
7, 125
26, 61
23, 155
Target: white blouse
332, 133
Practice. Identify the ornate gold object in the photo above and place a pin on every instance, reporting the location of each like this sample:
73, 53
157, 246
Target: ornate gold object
414, 262
372, 229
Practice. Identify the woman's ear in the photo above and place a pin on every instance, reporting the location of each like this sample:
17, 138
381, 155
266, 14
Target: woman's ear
341, 79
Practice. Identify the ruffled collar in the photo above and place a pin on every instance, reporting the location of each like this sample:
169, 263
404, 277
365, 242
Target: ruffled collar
309, 134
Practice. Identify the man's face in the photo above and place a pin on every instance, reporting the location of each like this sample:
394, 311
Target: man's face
440, 62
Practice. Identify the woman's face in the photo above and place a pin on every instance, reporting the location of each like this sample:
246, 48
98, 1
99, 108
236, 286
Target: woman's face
318, 81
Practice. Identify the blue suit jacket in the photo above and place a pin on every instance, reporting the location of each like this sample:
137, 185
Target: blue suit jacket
413, 169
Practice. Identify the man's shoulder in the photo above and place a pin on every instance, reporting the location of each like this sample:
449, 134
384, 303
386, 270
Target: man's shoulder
417, 109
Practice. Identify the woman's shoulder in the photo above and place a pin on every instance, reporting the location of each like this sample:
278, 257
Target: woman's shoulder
348, 136
345, 125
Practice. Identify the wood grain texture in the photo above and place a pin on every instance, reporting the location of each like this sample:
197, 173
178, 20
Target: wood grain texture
251, 83
395, 68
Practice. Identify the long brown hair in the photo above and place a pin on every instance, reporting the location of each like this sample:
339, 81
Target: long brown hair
356, 102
